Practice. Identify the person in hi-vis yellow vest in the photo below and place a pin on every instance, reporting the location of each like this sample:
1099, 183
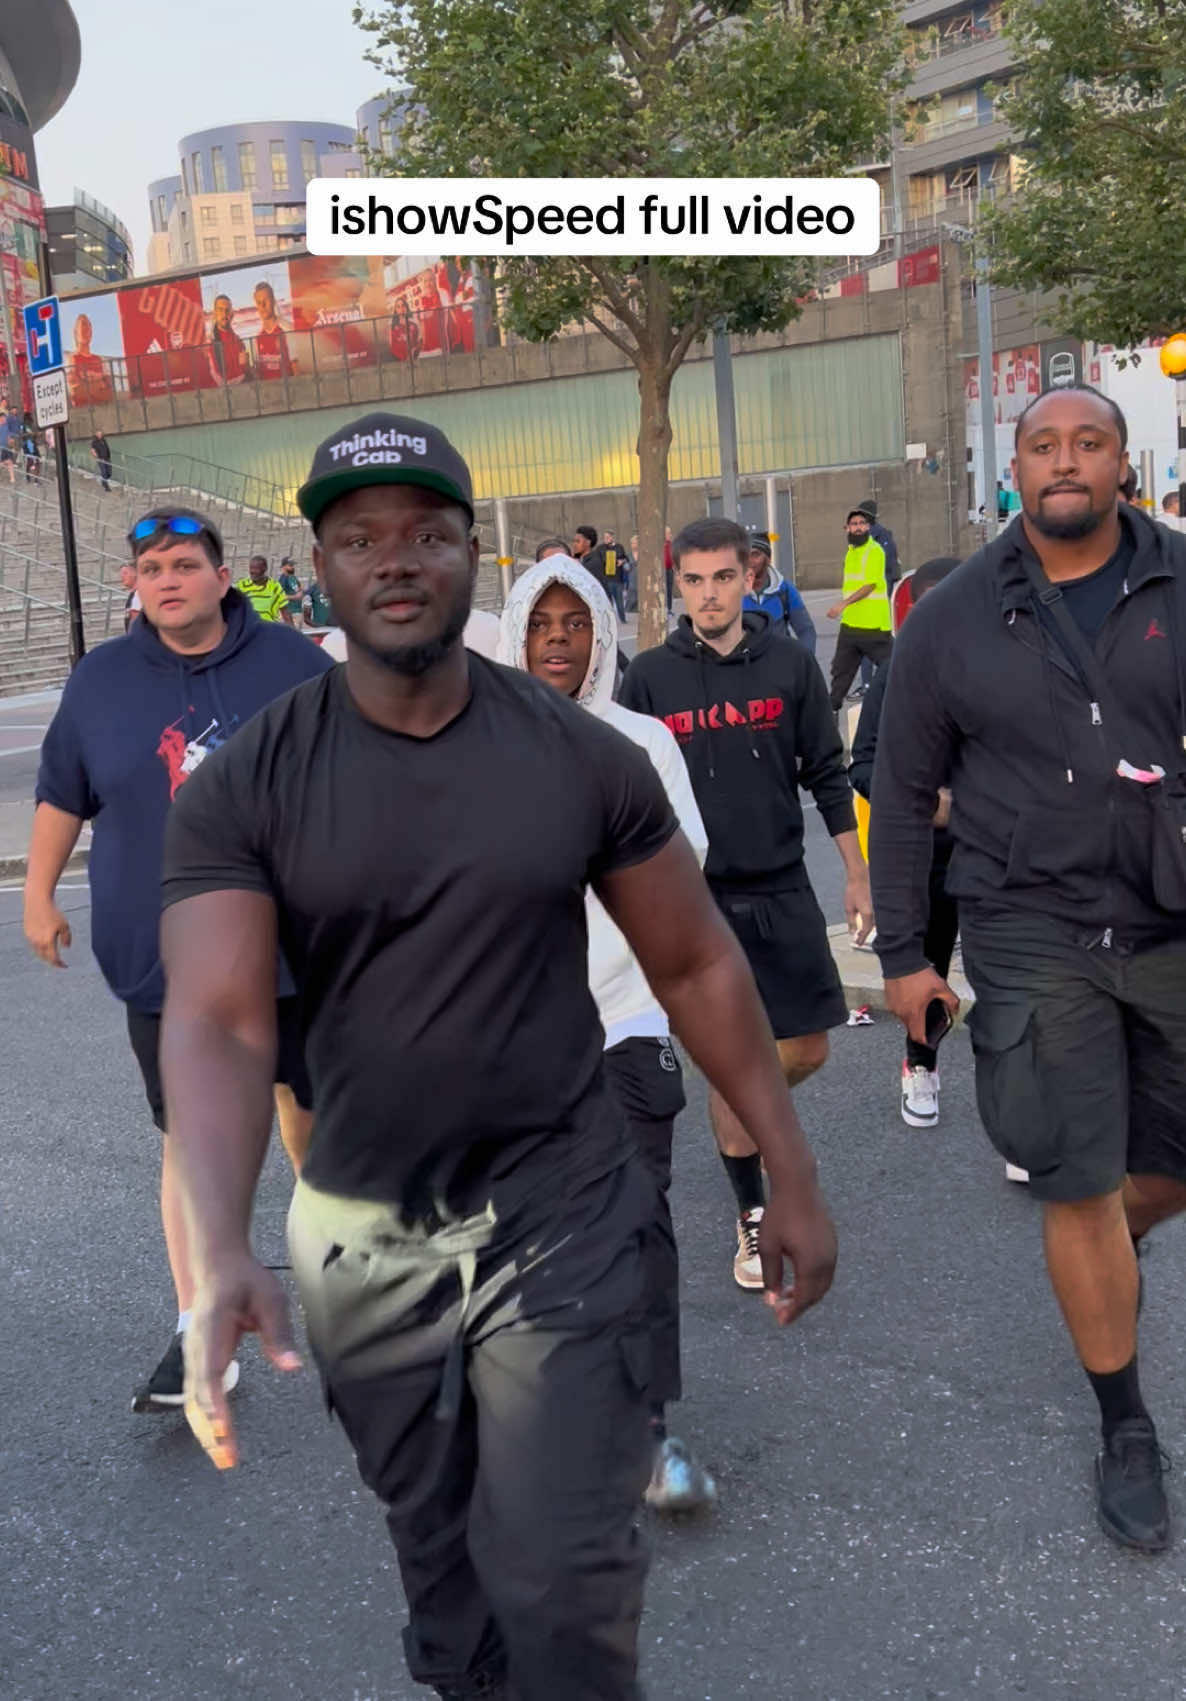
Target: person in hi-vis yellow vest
866, 627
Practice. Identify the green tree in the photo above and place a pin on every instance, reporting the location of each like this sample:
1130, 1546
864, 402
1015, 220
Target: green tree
1100, 107
642, 88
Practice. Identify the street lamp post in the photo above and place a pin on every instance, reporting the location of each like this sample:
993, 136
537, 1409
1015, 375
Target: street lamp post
988, 418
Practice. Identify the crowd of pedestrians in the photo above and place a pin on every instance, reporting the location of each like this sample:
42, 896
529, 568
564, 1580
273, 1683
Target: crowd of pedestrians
449, 907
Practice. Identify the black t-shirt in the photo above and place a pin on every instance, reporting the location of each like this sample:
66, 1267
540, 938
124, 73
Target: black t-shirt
101, 448
1091, 599
430, 896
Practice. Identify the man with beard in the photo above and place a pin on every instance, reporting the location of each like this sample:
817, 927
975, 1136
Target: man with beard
866, 625
1042, 682
468, 1231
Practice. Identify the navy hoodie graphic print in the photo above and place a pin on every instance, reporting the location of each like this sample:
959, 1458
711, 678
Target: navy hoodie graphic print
135, 719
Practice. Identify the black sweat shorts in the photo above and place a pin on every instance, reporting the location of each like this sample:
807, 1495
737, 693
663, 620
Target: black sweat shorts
1080, 1051
145, 1034
785, 938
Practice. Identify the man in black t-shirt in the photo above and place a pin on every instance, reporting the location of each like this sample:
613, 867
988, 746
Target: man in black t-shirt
467, 1231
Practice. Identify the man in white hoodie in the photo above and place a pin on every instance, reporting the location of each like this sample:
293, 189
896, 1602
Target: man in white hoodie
559, 626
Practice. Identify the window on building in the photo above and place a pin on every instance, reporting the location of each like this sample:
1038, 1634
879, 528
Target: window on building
247, 164
189, 250
265, 213
308, 160
209, 214
240, 245
279, 164
199, 174
218, 170
211, 248
185, 176
353, 171
238, 213
161, 216
385, 135
183, 217
290, 215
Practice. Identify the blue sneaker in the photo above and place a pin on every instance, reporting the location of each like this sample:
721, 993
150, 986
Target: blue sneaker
678, 1483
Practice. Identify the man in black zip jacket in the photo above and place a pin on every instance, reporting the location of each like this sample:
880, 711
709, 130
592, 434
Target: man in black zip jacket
1044, 681
749, 709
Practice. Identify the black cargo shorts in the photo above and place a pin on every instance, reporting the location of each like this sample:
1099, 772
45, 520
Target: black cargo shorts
1080, 1045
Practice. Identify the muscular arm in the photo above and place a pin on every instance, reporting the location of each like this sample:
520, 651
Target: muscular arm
697, 972
218, 1053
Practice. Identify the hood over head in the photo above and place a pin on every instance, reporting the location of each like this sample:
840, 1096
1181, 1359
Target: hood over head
597, 691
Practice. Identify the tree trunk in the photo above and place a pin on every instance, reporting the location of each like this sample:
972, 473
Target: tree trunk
654, 442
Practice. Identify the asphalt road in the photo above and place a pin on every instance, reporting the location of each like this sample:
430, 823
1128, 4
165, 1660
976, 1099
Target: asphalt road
906, 1508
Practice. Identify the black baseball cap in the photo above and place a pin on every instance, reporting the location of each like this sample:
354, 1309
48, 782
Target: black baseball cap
384, 448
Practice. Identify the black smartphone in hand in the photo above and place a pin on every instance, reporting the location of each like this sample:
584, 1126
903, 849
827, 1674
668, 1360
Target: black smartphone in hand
939, 1022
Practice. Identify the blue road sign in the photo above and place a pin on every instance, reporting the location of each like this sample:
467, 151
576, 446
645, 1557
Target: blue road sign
43, 335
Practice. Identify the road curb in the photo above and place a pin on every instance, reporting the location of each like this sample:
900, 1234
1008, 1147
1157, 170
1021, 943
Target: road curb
860, 976
16, 867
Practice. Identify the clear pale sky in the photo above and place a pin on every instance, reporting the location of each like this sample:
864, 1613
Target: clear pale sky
156, 70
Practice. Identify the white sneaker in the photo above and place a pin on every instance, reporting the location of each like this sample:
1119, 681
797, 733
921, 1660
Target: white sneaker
1014, 1173
747, 1266
920, 1096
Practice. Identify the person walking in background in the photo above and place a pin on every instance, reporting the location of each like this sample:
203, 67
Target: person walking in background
601, 562
558, 625
290, 584
771, 594
265, 595
550, 546
882, 535
864, 609
750, 713
10, 441
101, 454
138, 717
920, 1068
32, 446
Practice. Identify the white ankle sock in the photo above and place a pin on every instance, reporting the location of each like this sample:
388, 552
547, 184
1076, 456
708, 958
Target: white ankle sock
183, 1318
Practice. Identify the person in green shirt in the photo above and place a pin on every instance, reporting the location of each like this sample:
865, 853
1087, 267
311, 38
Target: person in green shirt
866, 628
290, 584
318, 609
266, 597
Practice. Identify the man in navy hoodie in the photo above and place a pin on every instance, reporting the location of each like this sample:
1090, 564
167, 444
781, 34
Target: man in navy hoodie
750, 713
138, 715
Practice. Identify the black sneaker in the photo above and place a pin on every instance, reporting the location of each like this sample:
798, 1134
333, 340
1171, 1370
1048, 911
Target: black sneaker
1128, 1470
165, 1389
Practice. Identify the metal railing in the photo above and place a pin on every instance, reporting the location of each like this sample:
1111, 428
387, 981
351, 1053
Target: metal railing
104, 597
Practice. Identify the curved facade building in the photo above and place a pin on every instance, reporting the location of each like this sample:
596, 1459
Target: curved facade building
88, 245
40, 54
241, 190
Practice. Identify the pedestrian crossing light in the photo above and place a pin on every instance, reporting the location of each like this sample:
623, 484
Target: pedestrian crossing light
1173, 356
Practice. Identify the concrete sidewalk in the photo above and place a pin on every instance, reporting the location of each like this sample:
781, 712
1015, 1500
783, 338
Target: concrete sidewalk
860, 974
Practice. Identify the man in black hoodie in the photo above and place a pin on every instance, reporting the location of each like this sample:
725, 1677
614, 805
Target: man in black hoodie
750, 712
1044, 682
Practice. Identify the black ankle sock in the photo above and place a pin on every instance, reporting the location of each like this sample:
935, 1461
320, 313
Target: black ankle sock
745, 1178
1119, 1394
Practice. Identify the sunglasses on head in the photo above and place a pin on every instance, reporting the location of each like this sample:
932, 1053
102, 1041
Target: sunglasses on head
183, 525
